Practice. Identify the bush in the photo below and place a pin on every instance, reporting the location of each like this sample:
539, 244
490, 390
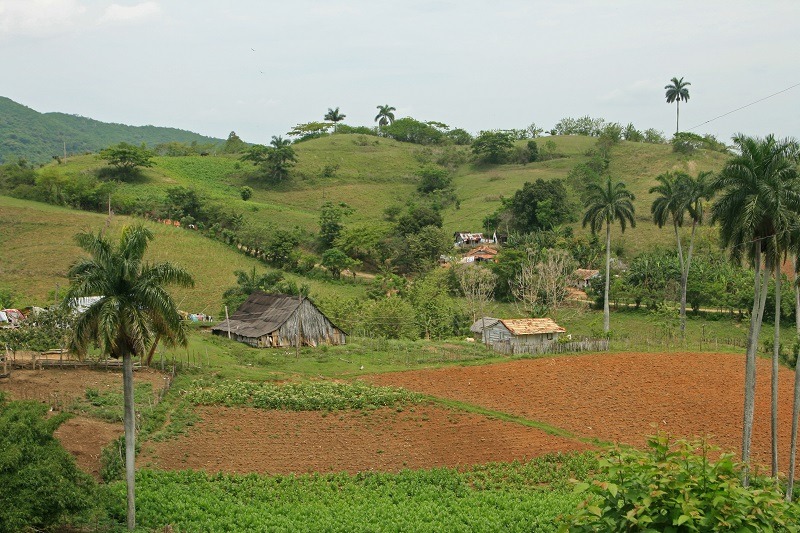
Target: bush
40, 485
676, 487
413, 131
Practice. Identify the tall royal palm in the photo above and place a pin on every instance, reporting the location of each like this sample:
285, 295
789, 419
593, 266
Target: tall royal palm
385, 115
334, 116
676, 91
680, 195
134, 308
758, 203
606, 204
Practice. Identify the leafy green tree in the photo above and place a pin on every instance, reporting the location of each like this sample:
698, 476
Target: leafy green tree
246, 193
40, 485
413, 131
312, 130
437, 314
234, 144
275, 160
459, 136
334, 116
493, 146
433, 179
127, 158
330, 222
391, 317
247, 283
759, 201
385, 115
677, 90
606, 204
539, 205
335, 261
134, 309
418, 217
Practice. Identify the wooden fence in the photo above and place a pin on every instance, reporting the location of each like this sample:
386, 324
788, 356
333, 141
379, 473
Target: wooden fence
589, 345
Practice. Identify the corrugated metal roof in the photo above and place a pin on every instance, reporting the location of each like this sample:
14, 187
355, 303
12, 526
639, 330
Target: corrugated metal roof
260, 314
485, 322
586, 274
532, 326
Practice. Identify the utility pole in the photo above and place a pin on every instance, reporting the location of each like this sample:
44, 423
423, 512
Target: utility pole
65, 152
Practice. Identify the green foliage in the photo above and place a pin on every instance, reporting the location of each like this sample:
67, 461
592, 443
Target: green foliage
127, 158
45, 330
37, 137
330, 222
413, 131
246, 193
335, 260
587, 125
493, 146
539, 205
311, 130
40, 485
274, 161
234, 144
437, 314
459, 136
433, 179
675, 486
269, 282
512, 497
654, 136
391, 317
303, 396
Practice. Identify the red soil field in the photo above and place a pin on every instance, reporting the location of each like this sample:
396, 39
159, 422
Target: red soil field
284, 442
621, 397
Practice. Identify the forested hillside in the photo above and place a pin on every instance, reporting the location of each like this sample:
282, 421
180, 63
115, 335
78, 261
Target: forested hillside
37, 137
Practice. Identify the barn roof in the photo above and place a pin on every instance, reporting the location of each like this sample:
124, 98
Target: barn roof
260, 314
586, 274
532, 326
485, 322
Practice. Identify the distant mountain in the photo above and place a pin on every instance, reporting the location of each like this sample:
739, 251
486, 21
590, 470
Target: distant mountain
37, 137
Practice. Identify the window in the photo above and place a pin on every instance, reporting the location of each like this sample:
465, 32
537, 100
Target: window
549, 336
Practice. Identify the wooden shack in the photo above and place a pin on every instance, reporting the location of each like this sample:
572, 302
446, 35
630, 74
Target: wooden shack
277, 321
523, 332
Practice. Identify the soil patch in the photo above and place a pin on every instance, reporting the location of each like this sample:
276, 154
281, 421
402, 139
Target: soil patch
283, 442
85, 439
620, 397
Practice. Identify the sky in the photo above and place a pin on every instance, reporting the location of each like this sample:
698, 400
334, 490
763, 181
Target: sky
261, 67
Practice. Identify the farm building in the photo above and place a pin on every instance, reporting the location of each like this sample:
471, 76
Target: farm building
523, 332
583, 277
277, 320
479, 254
464, 238
482, 324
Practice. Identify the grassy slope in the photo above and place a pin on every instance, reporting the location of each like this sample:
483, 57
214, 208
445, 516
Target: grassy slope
36, 249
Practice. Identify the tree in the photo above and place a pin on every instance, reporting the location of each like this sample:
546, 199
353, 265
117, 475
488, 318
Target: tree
127, 158
334, 116
541, 205
410, 130
477, 284
606, 204
677, 90
759, 199
680, 194
385, 115
234, 144
330, 222
433, 178
246, 193
336, 260
275, 160
133, 310
493, 146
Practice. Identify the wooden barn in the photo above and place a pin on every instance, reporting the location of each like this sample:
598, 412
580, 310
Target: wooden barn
523, 332
279, 321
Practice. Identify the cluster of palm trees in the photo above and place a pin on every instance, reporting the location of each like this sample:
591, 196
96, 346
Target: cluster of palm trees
758, 213
384, 117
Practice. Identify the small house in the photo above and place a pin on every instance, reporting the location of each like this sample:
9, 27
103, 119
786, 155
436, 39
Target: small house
583, 277
464, 238
524, 332
482, 325
279, 321
480, 254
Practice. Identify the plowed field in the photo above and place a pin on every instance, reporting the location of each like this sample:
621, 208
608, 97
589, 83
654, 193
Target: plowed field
619, 397
282, 442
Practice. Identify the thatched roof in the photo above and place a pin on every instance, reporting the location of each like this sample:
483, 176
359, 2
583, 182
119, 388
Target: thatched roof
532, 326
260, 315
485, 322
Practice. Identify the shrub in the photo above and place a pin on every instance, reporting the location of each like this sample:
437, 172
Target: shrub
40, 485
676, 487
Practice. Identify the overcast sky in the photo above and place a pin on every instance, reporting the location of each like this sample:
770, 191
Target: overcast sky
260, 67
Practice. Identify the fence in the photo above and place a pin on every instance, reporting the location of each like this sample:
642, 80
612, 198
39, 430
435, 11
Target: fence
589, 345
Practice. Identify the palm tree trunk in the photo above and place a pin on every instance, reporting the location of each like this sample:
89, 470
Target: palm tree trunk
682, 313
796, 404
678, 119
759, 296
774, 381
130, 437
606, 312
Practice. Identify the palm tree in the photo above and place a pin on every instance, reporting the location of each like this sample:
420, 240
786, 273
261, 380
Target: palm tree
334, 116
760, 199
279, 142
679, 195
134, 308
605, 204
677, 91
385, 115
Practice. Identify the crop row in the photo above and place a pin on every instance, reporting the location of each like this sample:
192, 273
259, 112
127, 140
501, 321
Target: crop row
303, 396
421, 500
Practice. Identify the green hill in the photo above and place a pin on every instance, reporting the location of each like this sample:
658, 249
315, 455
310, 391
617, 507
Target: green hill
37, 137
37, 248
